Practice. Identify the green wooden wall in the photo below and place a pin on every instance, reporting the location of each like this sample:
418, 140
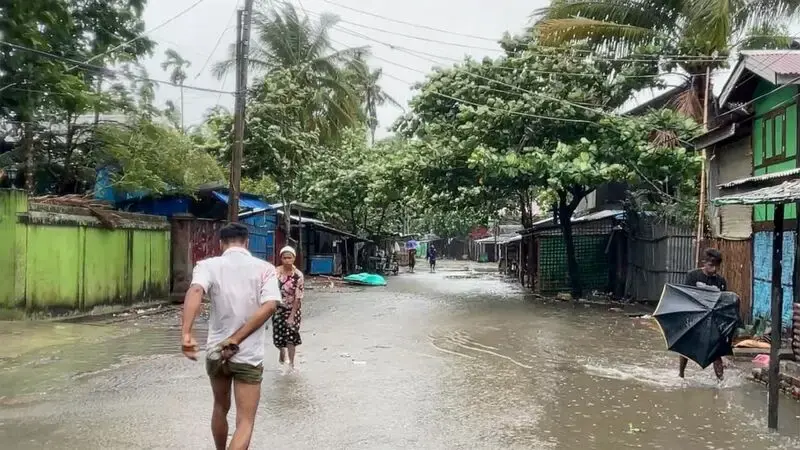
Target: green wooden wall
774, 139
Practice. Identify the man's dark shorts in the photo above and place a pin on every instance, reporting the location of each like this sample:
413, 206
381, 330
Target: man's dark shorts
241, 372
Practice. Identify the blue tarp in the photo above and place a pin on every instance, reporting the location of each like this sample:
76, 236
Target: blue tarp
245, 201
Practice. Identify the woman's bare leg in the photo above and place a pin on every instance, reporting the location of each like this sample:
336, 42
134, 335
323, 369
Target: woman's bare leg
291, 349
281, 356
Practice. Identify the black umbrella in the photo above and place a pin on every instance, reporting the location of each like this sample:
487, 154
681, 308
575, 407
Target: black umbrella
698, 323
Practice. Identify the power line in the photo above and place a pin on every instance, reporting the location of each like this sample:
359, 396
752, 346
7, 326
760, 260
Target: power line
590, 53
104, 70
428, 57
143, 35
472, 36
219, 41
424, 27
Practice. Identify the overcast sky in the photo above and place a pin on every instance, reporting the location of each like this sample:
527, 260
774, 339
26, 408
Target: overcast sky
195, 35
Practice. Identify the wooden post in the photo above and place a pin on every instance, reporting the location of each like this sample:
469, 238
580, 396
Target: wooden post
242, 49
701, 214
777, 316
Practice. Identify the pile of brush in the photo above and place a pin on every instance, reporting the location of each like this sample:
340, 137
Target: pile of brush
98, 208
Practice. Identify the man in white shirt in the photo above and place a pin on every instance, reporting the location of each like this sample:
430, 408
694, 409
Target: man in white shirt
244, 294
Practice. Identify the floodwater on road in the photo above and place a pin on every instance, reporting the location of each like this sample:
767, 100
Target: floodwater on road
433, 361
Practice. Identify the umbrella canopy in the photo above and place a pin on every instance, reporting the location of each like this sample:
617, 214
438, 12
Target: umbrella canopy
698, 323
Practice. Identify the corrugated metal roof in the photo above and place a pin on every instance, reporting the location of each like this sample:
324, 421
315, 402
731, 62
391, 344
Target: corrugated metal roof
786, 192
516, 238
778, 67
761, 178
245, 202
784, 62
592, 217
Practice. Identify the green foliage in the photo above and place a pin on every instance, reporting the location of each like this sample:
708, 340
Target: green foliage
695, 35
285, 42
487, 125
683, 27
43, 97
539, 124
155, 158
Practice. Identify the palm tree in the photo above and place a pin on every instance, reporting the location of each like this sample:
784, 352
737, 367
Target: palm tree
284, 40
372, 95
178, 75
697, 34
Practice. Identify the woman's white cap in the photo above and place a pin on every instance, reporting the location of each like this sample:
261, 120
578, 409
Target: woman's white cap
288, 249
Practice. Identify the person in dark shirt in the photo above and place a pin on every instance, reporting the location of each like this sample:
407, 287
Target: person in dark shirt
706, 277
431, 257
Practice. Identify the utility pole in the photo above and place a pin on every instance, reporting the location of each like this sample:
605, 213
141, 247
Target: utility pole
242, 51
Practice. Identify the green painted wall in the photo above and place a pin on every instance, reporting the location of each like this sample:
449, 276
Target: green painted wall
12, 248
76, 267
774, 139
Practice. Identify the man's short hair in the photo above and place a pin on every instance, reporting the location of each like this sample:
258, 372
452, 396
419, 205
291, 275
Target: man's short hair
233, 232
712, 256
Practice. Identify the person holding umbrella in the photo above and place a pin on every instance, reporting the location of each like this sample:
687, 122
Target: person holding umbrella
706, 277
699, 318
411, 248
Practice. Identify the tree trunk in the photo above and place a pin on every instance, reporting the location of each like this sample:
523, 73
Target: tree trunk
98, 90
27, 142
183, 127
565, 221
566, 207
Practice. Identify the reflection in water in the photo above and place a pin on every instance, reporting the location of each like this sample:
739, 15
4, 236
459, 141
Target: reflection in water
430, 362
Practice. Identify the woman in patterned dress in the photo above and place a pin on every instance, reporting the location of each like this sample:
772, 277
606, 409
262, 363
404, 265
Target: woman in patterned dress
286, 320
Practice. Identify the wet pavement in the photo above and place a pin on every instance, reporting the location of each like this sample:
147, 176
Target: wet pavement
433, 361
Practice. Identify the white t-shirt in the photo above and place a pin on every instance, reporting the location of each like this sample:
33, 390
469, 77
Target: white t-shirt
238, 284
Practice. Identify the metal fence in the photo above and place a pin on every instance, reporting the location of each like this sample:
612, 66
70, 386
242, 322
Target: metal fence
658, 253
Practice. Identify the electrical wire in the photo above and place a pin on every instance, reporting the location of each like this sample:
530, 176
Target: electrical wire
429, 57
219, 41
416, 25
146, 33
471, 36
590, 53
104, 70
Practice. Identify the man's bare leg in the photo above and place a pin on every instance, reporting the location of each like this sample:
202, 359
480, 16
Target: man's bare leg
682, 366
719, 369
247, 397
221, 387
292, 349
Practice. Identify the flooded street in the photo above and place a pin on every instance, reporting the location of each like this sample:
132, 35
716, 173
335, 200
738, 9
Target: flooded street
434, 361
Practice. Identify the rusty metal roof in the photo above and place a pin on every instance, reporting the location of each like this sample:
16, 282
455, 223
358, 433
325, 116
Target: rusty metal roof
778, 67
792, 173
773, 188
783, 62
786, 192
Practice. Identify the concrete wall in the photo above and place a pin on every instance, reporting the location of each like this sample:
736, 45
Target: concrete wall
64, 259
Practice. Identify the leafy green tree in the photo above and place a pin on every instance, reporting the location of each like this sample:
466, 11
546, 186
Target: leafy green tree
534, 125
279, 145
696, 34
35, 86
154, 158
178, 65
